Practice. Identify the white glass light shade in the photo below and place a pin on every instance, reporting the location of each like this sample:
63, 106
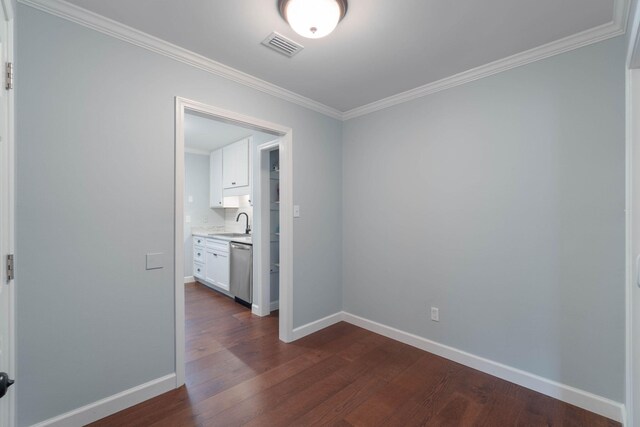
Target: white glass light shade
313, 18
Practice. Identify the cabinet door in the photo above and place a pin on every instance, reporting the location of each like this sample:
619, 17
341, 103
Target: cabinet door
210, 266
222, 270
215, 181
235, 164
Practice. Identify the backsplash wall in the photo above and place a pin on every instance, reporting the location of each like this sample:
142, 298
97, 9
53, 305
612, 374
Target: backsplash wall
230, 216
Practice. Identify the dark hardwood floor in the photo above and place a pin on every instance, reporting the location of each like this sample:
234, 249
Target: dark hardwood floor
239, 373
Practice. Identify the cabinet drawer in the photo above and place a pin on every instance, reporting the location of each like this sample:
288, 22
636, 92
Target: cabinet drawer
199, 241
219, 245
198, 270
198, 255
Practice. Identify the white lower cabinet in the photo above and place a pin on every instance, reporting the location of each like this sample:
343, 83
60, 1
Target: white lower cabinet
198, 270
217, 268
198, 257
213, 267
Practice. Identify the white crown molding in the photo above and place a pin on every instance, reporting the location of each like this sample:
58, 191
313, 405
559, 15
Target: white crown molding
633, 29
123, 32
612, 29
8, 9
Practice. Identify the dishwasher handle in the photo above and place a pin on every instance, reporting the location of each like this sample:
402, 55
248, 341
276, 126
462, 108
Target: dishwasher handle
241, 246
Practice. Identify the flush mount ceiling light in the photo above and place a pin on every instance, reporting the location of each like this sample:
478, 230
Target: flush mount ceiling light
313, 18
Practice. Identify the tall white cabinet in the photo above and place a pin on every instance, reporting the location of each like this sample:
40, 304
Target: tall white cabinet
230, 174
235, 164
216, 199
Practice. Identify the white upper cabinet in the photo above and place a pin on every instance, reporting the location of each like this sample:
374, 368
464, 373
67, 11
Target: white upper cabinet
235, 164
230, 175
215, 171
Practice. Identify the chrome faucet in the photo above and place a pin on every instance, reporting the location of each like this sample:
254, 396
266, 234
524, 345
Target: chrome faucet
247, 230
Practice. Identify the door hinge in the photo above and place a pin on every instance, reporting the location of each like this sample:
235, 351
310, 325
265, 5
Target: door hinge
10, 272
9, 76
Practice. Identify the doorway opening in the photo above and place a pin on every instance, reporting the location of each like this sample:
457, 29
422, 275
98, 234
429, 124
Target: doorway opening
223, 160
267, 220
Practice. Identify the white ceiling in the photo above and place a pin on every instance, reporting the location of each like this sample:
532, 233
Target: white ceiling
380, 49
202, 133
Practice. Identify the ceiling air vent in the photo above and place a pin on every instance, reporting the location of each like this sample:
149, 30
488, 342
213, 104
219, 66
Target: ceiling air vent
281, 44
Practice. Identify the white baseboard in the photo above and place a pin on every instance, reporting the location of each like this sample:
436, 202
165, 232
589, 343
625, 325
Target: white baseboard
309, 328
572, 395
112, 404
189, 279
255, 309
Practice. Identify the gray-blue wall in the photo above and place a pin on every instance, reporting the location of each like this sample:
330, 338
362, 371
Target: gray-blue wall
95, 185
502, 203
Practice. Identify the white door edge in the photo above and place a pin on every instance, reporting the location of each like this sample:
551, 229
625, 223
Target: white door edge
7, 216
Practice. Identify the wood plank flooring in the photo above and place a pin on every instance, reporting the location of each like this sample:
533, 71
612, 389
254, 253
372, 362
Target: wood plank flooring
239, 373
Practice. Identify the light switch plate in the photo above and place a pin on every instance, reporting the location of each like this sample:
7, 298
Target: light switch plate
155, 261
190, 199
296, 211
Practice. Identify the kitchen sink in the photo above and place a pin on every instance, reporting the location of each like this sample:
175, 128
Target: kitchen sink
230, 234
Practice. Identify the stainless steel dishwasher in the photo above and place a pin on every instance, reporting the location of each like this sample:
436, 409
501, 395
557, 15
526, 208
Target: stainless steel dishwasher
241, 273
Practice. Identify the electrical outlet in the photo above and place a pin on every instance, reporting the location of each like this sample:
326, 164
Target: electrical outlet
187, 219
190, 199
205, 219
435, 314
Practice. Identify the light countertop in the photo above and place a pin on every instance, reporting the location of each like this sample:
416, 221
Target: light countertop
229, 237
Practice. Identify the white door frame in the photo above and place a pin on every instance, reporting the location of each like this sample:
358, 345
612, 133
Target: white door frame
632, 225
632, 219
7, 215
262, 239
286, 218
